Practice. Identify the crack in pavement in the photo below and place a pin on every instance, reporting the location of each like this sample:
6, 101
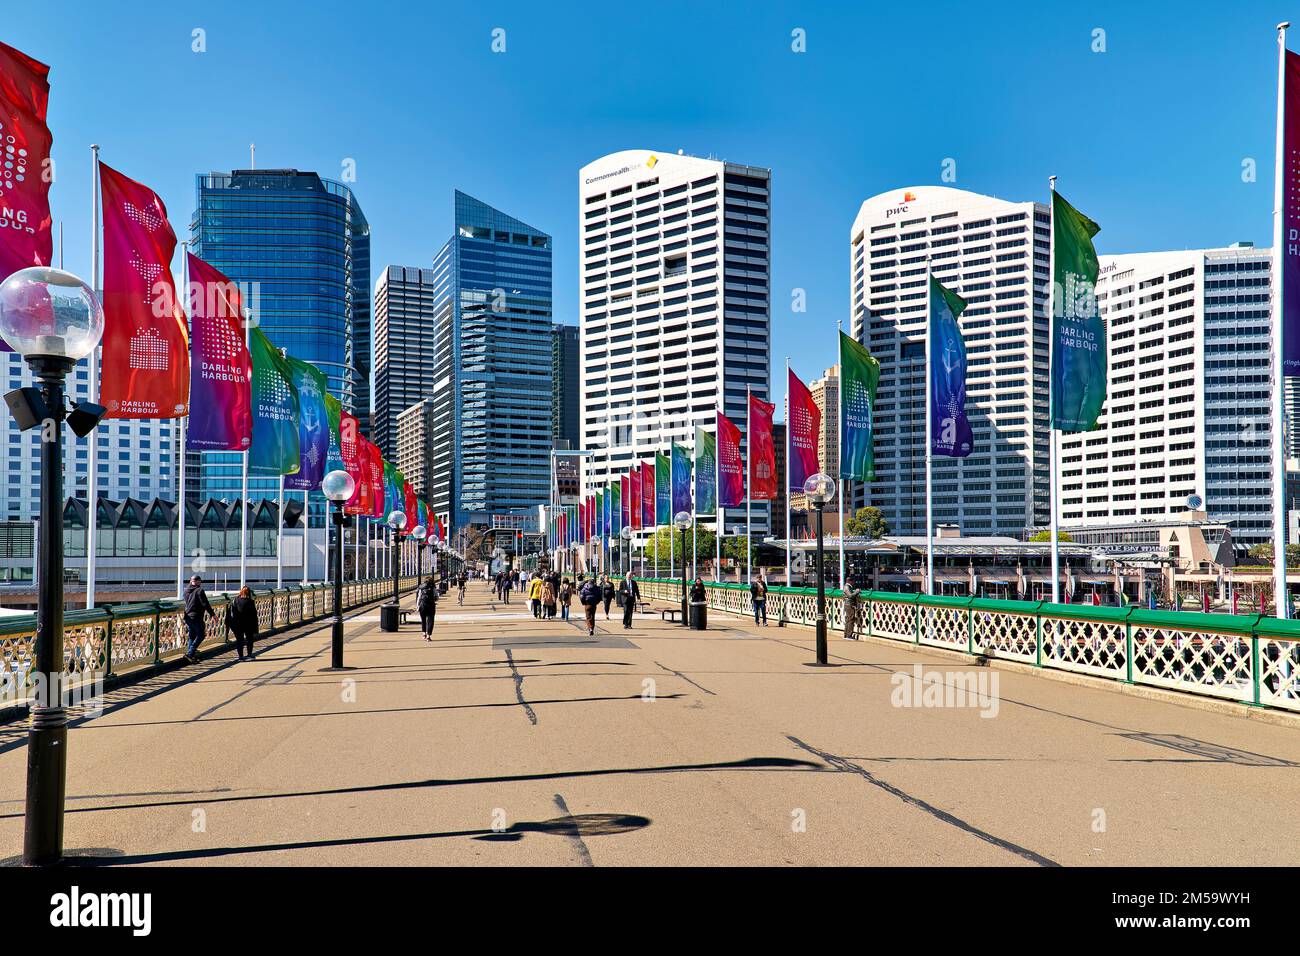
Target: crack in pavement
572, 831
844, 765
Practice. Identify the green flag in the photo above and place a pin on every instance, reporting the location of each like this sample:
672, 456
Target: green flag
1078, 333
859, 376
275, 443
706, 472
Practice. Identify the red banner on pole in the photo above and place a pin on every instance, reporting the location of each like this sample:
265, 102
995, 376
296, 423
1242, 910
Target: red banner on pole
762, 453
145, 371
635, 501
221, 373
25, 172
805, 423
731, 464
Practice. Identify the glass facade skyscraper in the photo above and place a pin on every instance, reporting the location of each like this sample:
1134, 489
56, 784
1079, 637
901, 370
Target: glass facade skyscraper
491, 381
299, 246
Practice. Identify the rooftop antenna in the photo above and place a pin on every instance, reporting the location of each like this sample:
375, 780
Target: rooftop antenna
252, 155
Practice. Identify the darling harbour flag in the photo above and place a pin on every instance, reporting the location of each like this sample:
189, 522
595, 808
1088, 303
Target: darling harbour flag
145, 360
275, 409
663, 489
313, 425
805, 424
24, 175
616, 507
731, 466
624, 495
634, 500
647, 494
706, 472
1079, 335
334, 419
762, 452
375, 469
221, 371
950, 432
859, 376
681, 479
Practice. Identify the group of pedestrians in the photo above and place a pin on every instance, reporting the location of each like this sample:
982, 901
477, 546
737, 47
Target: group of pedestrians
505, 582
240, 620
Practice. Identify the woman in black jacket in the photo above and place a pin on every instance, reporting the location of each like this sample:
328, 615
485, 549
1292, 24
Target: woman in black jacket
607, 593
241, 618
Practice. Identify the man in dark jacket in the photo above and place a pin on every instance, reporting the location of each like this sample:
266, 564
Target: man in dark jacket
629, 595
197, 610
589, 596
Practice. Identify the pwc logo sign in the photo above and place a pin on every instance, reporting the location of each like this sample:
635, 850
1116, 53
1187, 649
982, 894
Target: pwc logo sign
908, 197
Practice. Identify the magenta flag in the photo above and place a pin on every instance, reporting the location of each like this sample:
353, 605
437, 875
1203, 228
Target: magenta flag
221, 371
647, 494
25, 173
805, 424
731, 467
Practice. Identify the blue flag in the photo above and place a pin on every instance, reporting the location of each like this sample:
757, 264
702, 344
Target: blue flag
950, 432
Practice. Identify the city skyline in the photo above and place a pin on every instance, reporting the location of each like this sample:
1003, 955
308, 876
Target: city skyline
825, 160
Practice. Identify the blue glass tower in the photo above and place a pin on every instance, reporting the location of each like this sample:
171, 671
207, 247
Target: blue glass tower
492, 377
299, 247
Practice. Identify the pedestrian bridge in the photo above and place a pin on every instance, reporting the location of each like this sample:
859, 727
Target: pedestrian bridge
509, 740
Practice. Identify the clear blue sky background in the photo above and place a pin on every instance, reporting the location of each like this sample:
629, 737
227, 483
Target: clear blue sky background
1148, 138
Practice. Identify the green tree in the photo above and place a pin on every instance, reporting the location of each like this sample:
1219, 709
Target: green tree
1062, 536
1263, 553
868, 522
670, 541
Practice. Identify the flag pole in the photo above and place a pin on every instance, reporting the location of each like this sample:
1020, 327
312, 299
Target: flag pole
789, 425
929, 437
1051, 423
92, 391
839, 407
749, 488
181, 424
243, 501
279, 539
695, 516
1281, 594
717, 497
306, 534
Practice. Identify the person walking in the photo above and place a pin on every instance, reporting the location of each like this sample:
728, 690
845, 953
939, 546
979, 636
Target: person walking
758, 597
589, 595
535, 596
566, 598
426, 602
606, 593
460, 587
241, 621
628, 596
197, 610
550, 594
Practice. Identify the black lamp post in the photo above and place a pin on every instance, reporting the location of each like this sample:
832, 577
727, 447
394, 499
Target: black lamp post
820, 489
337, 487
418, 533
53, 320
625, 537
389, 617
682, 520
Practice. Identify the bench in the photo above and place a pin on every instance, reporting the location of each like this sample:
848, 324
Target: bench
670, 614
402, 614
643, 607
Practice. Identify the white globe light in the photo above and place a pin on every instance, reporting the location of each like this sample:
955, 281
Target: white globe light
820, 488
397, 519
682, 520
338, 486
47, 311
418, 532
626, 534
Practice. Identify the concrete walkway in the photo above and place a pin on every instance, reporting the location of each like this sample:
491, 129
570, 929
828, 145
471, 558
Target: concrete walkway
513, 741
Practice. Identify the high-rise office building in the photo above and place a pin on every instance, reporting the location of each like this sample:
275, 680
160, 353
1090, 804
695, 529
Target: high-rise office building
299, 246
406, 300
564, 386
675, 313
491, 378
1186, 422
826, 396
994, 254
414, 444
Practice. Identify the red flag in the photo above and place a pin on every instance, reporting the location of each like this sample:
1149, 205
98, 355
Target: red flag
634, 480
377, 494
762, 453
647, 494
731, 465
25, 173
352, 450
221, 374
412, 509
145, 370
804, 421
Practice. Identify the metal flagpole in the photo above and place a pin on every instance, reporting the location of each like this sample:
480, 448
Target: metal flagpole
717, 496
788, 427
279, 539
181, 424
92, 440
839, 327
1281, 595
749, 488
929, 447
306, 535
1051, 384
356, 548
243, 501
695, 517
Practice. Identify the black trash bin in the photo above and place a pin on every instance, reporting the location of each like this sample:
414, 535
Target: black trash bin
699, 616
442, 587
388, 617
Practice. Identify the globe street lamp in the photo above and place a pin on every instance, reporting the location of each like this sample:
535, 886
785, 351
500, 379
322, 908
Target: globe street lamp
682, 521
418, 533
337, 487
820, 489
626, 535
53, 320
388, 613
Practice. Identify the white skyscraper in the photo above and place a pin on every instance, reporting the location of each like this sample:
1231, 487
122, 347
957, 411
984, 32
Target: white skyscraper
674, 304
994, 254
1187, 405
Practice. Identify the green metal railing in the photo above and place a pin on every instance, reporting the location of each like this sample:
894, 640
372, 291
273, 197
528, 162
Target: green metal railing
1247, 658
104, 642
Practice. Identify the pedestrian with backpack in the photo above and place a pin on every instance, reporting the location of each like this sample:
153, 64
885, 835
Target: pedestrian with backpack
589, 595
426, 602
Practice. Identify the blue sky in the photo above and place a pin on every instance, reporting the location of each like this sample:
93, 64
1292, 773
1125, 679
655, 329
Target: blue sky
1148, 138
